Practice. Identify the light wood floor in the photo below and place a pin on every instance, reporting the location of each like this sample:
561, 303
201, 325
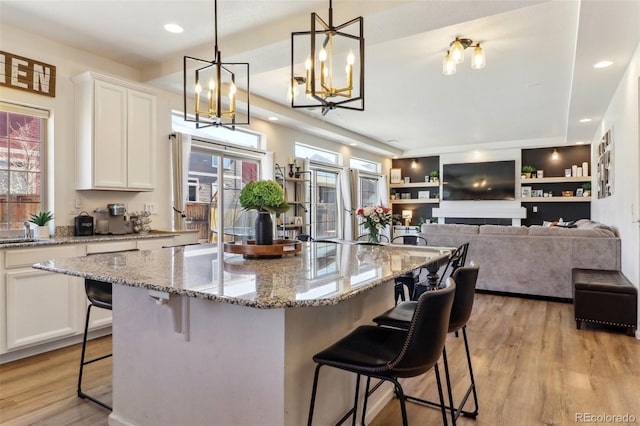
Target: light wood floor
532, 367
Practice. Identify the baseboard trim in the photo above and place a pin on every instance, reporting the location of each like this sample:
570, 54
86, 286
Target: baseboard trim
525, 296
50, 346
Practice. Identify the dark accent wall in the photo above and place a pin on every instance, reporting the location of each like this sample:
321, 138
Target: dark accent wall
540, 158
424, 166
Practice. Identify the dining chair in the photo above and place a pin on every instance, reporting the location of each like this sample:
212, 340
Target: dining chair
390, 353
400, 317
365, 238
410, 279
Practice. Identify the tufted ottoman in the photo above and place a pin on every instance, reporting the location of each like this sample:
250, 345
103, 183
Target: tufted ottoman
605, 297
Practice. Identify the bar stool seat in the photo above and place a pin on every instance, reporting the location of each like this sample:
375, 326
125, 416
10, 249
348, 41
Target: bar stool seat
100, 295
401, 315
389, 354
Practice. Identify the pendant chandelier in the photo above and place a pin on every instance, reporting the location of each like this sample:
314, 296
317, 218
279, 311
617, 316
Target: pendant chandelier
455, 56
212, 89
328, 60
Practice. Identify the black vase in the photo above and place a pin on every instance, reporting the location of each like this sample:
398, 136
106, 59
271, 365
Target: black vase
264, 229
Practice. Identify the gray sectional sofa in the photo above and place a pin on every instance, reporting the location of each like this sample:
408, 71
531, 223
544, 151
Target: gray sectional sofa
532, 260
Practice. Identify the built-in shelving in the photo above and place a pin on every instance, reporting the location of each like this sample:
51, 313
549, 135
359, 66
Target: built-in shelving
416, 201
415, 185
556, 199
556, 180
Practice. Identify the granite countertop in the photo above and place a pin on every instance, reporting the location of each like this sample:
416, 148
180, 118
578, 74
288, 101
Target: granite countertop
88, 239
321, 274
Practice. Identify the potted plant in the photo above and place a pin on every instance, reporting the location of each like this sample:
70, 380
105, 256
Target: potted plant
266, 197
41, 231
527, 171
586, 187
435, 176
393, 194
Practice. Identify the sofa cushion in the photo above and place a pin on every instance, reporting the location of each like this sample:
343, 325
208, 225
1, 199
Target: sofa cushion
504, 230
590, 224
437, 228
537, 230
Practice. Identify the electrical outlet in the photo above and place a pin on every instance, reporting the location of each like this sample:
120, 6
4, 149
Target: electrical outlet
151, 208
535, 209
78, 204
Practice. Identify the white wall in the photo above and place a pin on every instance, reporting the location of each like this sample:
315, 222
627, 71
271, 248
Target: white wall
70, 62
622, 209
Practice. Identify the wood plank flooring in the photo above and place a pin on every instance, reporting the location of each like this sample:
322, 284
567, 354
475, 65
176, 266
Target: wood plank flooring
532, 367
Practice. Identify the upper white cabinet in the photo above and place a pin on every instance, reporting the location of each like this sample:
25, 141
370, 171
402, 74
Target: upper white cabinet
115, 134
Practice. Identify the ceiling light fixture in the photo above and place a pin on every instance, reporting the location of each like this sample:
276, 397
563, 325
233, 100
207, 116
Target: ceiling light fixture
318, 52
555, 154
455, 55
585, 120
602, 64
173, 28
218, 108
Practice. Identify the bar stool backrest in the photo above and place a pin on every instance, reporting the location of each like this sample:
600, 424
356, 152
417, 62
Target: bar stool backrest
98, 293
465, 278
457, 259
427, 332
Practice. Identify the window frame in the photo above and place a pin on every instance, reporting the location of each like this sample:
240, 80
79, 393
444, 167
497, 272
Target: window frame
45, 116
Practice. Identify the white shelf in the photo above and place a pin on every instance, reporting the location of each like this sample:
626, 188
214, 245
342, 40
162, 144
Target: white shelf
555, 199
556, 180
415, 185
416, 201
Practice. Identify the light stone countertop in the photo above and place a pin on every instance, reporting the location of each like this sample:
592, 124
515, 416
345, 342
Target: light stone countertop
320, 274
88, 239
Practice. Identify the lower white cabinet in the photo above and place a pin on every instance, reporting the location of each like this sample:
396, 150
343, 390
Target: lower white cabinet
41, 306
38, 306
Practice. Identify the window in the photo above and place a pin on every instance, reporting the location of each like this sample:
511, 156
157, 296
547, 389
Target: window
366, 165
367, 193
22, 161
326, 208
239, 136
316, 154
210, 184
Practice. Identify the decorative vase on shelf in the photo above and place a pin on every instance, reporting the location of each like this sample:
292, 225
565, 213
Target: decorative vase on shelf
264, 229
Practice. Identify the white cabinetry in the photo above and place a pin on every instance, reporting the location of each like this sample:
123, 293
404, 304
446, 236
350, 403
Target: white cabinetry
115, 134
38, 306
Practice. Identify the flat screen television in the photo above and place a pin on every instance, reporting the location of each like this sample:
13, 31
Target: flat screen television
494, 180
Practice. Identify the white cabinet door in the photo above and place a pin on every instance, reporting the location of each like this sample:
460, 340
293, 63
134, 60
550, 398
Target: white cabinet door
110, 136
115, 134
40, 306
141, 136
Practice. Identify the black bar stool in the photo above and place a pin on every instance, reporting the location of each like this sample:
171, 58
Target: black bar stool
401, 316
389, 353
99, 295
412, 278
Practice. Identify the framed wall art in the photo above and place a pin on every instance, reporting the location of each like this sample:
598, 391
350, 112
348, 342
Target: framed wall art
396, 175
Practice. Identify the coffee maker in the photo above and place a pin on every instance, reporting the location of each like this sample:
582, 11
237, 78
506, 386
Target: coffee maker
113, 220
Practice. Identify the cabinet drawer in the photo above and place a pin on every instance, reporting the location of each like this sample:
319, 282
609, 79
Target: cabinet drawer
29, 256
111, 247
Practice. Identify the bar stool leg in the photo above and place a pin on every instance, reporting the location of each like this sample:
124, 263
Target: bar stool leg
81, 394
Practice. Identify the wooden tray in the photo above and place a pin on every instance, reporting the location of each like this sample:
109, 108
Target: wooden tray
249, 249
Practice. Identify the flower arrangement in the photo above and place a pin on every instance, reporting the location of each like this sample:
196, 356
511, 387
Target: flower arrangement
374, 219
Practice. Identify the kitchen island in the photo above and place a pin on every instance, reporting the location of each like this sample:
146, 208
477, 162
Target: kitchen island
203, 338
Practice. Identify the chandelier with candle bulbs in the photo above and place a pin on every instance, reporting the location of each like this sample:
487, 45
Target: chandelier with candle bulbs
455, 55
318, 58
213, 89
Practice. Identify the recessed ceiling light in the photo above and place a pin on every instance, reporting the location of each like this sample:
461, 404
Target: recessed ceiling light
353, 144
585, 120
602, 64
173, 28
580, 143
273, 118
